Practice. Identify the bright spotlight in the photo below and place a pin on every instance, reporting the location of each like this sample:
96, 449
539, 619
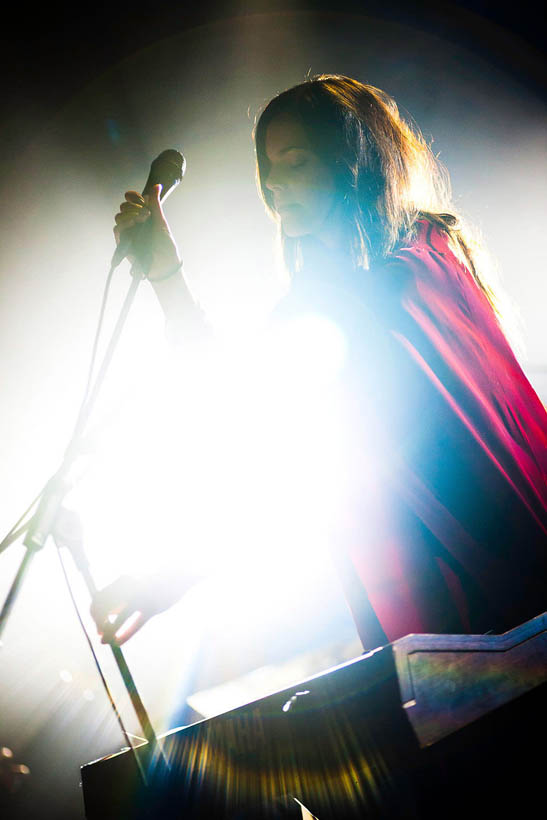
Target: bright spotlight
313, 348
238, 466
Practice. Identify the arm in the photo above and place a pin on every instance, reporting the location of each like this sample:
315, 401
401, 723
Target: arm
124, 606
185, 320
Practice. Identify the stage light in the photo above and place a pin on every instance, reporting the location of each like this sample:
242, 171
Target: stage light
237, 466
312, 347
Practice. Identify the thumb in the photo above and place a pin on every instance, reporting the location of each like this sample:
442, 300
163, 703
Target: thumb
154, 204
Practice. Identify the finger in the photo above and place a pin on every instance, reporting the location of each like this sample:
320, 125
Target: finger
154, 197
153, 202
106, 605
124, 219
104, 622
131, 626
131, 212
112, 624
113, 598
128, 220
125, 626
134, 208
134, 196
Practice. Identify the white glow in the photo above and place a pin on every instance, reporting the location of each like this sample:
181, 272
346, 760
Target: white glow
65, 676
237, 466
313, 348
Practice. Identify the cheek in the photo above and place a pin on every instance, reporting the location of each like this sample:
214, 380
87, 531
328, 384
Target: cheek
315, 202
318, 192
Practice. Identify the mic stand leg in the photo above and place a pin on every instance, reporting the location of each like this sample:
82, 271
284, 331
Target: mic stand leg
36, 536
67, 533
14, 590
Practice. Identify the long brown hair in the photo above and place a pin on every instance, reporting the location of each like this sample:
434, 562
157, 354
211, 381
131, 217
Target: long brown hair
386, 174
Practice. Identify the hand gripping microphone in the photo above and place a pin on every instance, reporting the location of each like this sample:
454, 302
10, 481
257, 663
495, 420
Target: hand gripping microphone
166, 170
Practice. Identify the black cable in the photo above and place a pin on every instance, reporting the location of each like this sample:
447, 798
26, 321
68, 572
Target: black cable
93, 354
12, 534
88, 398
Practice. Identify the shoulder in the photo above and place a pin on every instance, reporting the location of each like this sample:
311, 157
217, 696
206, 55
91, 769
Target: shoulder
430, 236
427, 269
428, 246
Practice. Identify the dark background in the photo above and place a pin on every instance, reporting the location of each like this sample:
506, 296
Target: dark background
52, 50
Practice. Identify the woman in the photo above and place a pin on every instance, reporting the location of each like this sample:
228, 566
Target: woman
451, 535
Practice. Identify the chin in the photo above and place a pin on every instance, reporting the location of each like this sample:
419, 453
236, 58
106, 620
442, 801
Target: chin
294, 234
294, 229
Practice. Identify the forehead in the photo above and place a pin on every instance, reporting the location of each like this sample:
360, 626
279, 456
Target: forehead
284, 132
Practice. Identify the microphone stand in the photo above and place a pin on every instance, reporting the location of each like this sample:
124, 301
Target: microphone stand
43, 521
71, 538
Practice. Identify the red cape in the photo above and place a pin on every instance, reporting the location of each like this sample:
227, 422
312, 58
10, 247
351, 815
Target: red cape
458, 543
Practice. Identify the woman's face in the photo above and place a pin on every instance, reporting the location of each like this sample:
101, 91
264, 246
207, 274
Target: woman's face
302, 185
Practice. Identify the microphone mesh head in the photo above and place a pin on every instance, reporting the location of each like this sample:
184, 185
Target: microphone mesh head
175, 158
167, 170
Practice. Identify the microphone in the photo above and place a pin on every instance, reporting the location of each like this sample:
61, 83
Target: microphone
166, 170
